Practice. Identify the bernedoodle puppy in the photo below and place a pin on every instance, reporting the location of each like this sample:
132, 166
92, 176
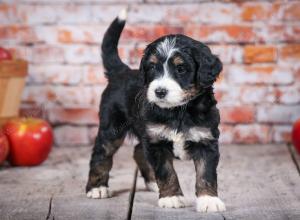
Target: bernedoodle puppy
169, 105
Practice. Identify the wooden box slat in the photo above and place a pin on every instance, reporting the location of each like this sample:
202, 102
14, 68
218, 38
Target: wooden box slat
13, 68
12, 81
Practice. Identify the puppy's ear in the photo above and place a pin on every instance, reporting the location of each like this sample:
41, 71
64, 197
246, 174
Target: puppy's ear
142, 69
143, 64
209, 66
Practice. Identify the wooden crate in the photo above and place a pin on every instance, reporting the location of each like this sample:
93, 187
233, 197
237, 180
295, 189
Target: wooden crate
12, 81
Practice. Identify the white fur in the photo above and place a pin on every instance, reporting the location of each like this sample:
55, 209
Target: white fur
123, 14
159, 132
179, 146
210, 204
199, 133
152, 186
172, 202
101, 192
167, 47
174, 96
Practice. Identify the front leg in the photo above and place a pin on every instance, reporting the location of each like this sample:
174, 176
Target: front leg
161, 159
206, 158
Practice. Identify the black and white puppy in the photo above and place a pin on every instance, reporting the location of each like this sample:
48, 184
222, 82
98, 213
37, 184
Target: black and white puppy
169, 106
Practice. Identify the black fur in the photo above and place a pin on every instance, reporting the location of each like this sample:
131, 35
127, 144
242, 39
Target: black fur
125, 109
110, 57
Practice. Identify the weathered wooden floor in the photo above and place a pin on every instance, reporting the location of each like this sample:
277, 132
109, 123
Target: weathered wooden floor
255, 182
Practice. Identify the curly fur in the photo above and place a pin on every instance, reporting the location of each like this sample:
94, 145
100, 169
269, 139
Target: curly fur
182, 67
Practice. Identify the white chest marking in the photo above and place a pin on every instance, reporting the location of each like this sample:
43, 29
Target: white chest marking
159, 132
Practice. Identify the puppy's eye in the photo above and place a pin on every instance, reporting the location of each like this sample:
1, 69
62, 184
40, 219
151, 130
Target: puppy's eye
180, 69
152, 66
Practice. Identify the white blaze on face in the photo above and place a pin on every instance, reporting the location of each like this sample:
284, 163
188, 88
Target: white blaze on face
175, 94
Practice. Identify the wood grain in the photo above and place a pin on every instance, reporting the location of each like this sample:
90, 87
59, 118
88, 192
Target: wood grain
255, 182
12, 81
13, 68
26, 192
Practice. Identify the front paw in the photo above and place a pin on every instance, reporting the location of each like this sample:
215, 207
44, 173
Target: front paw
101, 192
207, 203
172, 202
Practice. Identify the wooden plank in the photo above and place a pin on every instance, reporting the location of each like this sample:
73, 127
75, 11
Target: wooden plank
11, 97
255, 182
26, 192
13, 68
71, 201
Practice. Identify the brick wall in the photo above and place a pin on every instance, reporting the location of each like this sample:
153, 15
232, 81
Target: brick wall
258, 42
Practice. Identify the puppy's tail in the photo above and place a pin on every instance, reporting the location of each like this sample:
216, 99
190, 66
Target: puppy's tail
110, 56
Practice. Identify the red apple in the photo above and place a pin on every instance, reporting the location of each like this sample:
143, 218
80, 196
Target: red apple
296, 135
4, 147
30, 141
5, 54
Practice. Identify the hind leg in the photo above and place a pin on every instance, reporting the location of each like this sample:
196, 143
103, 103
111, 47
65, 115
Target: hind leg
145, 168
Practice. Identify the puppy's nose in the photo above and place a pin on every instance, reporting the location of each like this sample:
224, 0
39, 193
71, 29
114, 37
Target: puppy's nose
161, 92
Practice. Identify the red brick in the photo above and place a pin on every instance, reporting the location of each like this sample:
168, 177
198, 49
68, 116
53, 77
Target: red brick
290, 52
184, 13
228, 53
93, 131
292, 11
47, 54
74, 13
40, 95
93, 74
71, 136
136, 54
259, 54
289, 94
86, 34
74, 97
55, 74
61, 42
81, 116
258, 11
53, 13
105, 13
221, 33
96, 92
251, 134
17, 34
8, 13
278, 113
266, 74
148, 32
277, 33
66, 96
245, 94
20, 52
226, 134
237, 114
37, 14
281, 133
82, 54
256, 94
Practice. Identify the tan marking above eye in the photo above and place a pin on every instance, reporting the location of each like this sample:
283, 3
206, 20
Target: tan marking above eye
153, 59
178, 60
